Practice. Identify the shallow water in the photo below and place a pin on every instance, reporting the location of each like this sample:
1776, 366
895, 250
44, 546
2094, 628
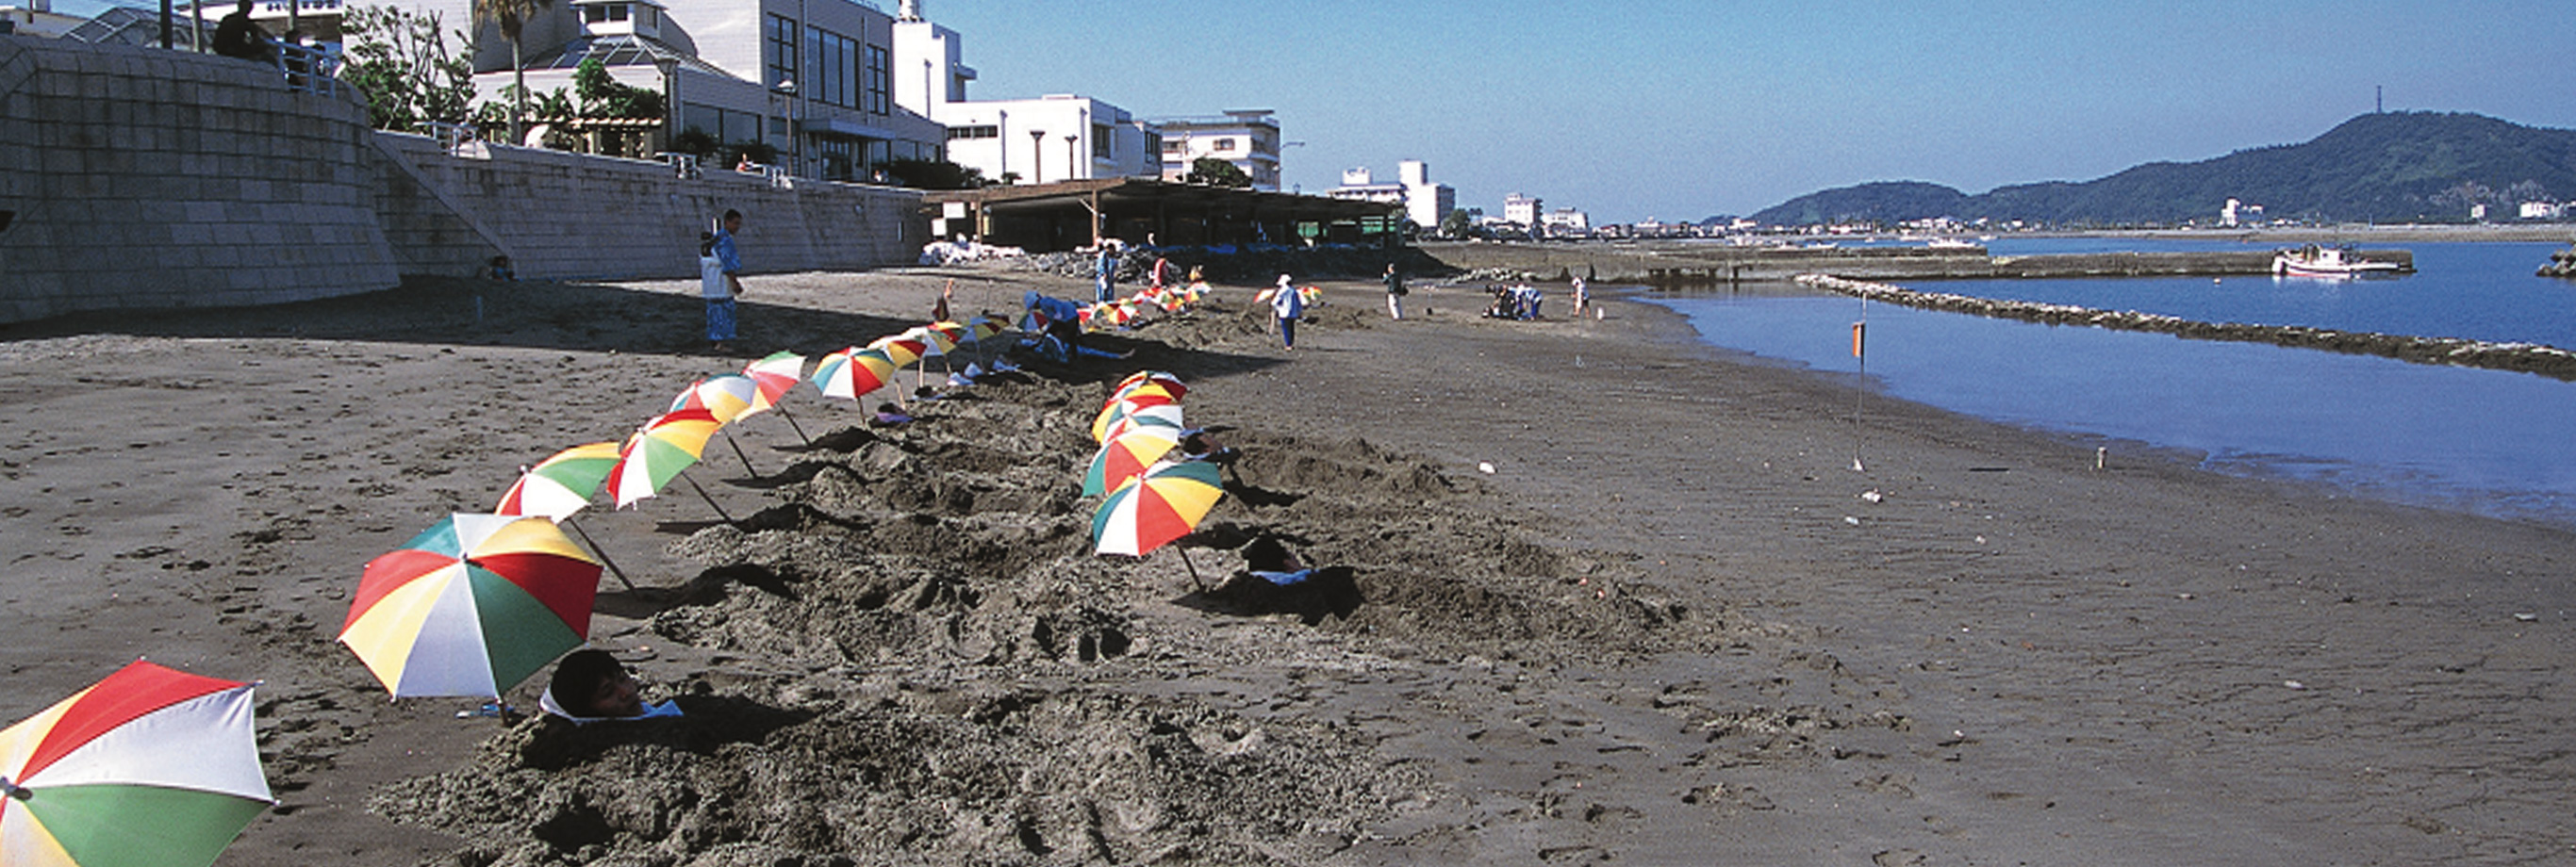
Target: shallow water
2490, 442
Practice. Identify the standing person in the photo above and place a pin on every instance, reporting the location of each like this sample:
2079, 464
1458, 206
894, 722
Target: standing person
1394, 291
1162, 273
1105, 273
1288, 307
720, 280
1582, 297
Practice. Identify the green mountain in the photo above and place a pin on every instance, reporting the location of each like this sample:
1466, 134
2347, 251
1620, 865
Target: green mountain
2388, 167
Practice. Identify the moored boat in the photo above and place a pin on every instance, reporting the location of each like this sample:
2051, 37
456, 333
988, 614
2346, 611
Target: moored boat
2319, 261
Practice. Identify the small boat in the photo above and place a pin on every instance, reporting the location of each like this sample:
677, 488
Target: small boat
2316, 261
1950, 244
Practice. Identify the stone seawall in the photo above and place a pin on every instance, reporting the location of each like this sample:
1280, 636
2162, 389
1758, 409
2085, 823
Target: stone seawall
136, 178
2547, 361
567, 216
140, 179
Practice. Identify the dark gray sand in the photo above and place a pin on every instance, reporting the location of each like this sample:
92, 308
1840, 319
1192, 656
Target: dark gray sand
1671, 625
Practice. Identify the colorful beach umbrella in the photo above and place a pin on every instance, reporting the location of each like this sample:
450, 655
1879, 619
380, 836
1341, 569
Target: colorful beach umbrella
774, 377
853, 372
933, 339
657, 453
1170, 384
1125, 414
1164, 503
1125, 456
471, 606
899, 349
562, 484
726, 396
150, 767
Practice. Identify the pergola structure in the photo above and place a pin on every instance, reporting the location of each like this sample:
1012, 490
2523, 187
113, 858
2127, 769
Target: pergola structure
1070, 214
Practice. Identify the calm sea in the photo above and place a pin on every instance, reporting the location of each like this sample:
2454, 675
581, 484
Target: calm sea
2501, 444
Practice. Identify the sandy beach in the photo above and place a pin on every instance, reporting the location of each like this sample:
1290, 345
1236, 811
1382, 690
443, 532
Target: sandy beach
1671, 625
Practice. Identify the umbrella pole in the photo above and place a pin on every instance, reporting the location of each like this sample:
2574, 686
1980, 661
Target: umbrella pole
792, 425
601, 553
737, 452
1193, 567
702, 494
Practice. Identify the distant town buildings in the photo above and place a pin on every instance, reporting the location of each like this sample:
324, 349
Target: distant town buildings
1246, 137
1425, 203
1565, 223
1520, 210
2543, 211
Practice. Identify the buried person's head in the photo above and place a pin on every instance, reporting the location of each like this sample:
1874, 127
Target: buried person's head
591, 683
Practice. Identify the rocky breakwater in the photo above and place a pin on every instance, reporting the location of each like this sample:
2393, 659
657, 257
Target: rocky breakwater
2536, 358
2561, 263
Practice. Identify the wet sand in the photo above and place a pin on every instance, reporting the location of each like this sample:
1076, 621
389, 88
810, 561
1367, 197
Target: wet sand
1673, 625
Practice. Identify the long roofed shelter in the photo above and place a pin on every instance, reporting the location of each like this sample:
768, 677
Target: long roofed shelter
1070, 214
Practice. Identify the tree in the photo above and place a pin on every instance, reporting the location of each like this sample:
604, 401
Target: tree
1216, 172
603, 96
512, 16
1459, 223
401, 61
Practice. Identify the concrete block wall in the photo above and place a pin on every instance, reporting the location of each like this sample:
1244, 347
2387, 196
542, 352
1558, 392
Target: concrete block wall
574, 216
148, 179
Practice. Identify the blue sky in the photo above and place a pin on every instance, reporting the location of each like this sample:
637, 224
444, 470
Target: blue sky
1681, 110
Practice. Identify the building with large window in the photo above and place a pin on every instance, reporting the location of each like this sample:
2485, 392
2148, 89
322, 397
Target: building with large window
813, 79
1247, 137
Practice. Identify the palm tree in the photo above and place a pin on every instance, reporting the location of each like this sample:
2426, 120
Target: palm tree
512, 15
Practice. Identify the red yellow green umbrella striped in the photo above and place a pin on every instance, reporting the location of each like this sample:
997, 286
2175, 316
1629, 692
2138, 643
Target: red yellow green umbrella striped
655, 455
774, 376
150, 767
1126, 455
1168, 383
562, 484
726, 396
852, 372
471, 606
900, 349
1164, 503
1144, 410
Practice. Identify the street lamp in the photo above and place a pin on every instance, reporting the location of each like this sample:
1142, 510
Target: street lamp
1001, 128
1037, 159
1070, 161
795, 148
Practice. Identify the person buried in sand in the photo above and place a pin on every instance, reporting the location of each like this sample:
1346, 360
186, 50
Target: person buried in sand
591, 686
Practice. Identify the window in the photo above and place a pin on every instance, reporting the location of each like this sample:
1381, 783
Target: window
1104, 143
880, 81
984, 131
1223, 144
782, 50
833, 80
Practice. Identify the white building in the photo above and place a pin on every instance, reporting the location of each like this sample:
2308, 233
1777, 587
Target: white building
1425, 203
2543, 210
1246, 137
1520, 210
1566, 221
1057, 137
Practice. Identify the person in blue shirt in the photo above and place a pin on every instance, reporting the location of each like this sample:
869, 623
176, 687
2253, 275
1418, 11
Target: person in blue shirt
720, 280
1105, 277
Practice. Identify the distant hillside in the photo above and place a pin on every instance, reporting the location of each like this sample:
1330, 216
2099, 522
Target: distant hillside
2392, 167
